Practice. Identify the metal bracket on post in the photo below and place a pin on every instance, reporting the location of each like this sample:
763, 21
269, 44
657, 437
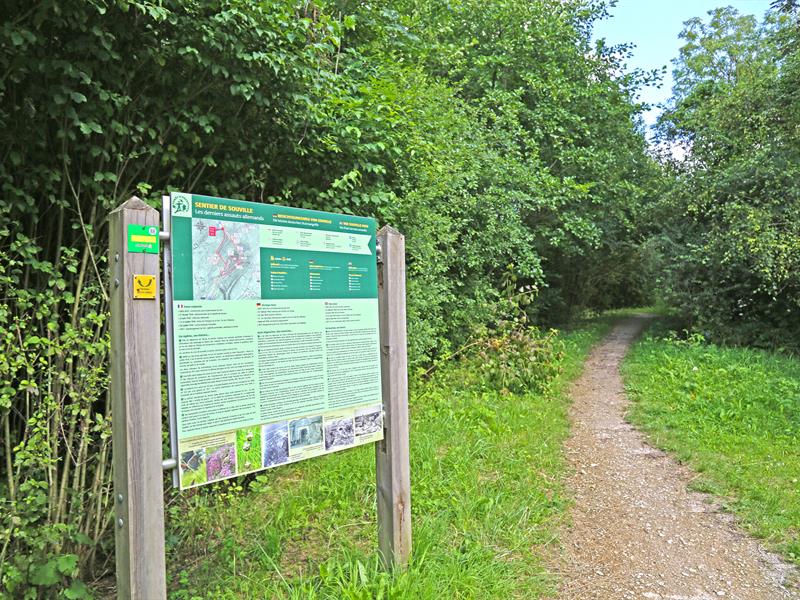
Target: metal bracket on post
393, 471
135, 369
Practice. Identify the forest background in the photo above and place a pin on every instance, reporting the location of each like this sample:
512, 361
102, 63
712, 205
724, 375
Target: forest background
505, 144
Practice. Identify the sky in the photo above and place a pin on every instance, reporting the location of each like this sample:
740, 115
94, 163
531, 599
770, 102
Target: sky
653, 26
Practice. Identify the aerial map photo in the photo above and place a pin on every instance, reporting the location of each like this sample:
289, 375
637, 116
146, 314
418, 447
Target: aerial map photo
227, 260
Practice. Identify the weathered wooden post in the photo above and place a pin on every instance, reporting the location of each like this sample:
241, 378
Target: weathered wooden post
136, 401
392, 454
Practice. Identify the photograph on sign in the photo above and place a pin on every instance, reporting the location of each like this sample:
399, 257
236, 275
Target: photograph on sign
275, 335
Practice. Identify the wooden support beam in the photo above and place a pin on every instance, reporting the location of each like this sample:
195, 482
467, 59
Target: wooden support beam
393, 471
136, 409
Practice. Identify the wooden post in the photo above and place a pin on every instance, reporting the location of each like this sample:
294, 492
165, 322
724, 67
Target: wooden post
136, 409
392, 456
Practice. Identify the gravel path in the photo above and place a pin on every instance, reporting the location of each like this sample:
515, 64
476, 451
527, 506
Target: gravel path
637, 532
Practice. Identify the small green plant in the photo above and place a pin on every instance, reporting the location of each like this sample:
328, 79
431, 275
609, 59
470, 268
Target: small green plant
516, 356
520, 361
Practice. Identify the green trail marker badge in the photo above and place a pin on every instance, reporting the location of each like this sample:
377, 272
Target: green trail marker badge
143, 239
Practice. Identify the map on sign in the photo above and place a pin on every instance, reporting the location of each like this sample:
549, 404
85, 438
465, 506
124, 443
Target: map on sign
227, 260
276, 337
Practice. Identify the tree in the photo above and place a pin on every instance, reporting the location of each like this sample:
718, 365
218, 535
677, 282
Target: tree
730, 233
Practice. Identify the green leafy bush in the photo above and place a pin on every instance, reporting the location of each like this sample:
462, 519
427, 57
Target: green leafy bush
729, 226
521, 361
515, 356
54, 495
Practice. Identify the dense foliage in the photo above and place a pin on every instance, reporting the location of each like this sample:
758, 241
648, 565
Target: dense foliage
729, 228
494, 135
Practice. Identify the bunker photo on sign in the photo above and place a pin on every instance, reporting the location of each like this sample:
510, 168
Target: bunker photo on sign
305, 432
368, 420
339, 432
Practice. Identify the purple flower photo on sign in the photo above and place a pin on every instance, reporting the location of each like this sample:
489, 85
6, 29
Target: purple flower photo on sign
221, 462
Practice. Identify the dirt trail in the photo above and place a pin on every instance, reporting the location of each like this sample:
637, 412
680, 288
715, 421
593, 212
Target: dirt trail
637, 532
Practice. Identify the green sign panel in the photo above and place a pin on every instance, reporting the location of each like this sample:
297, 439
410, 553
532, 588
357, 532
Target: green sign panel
143, 238
276, 337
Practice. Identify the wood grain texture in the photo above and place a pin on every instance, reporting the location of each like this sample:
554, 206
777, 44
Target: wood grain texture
136, 408
393, 470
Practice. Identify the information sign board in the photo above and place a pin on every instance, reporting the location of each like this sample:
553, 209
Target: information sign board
275, 335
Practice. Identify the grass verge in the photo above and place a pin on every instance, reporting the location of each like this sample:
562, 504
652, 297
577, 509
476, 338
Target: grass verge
733, 415
487, 497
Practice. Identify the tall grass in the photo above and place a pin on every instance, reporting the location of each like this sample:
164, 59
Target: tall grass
487, 496
734, 416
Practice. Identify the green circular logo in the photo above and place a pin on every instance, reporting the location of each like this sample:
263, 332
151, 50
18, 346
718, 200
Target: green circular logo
180, 205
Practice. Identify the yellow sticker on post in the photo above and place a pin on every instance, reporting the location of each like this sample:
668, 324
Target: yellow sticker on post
144, 287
